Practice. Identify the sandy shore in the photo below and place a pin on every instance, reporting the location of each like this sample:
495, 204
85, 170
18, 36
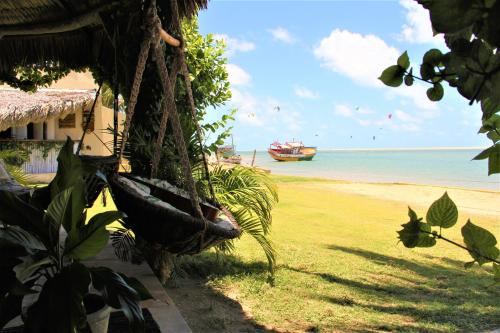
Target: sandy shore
475, 202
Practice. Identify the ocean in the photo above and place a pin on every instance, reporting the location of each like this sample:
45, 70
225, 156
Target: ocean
445, 167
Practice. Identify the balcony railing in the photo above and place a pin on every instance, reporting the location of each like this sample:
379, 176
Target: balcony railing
34, 156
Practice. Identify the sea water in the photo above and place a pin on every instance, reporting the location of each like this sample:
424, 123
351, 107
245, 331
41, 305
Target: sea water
431, 167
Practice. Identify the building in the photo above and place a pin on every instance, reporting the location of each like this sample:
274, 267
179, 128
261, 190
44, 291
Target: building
37, 124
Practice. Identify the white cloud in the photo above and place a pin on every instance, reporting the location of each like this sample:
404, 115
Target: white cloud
303, 92
282, 35
258, 112
359, 57
418, 27
234, 45
417, 94
237, 75
343, 110
406, 117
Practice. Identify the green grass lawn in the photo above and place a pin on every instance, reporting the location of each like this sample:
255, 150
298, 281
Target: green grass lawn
340, 269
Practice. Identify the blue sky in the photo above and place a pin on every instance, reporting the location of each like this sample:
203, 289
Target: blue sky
319, 62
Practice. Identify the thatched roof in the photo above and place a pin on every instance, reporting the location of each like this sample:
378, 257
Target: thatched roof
18, 108
70, 32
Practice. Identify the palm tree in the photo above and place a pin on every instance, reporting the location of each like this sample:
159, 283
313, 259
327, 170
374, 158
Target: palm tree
250, 195
12, 160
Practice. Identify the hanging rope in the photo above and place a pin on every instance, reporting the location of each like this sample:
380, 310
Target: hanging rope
187, 82
115, 92
164, 119
139, 71
87, 121
177, 130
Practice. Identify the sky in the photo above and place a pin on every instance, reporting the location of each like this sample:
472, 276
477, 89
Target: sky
307, 70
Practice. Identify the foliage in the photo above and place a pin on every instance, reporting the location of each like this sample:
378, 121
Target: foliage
209, 80
443, 214
13, 159
472, 65
34, 76
250, 195
41, 254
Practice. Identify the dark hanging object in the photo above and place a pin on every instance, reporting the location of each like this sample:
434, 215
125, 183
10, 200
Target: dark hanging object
173, 218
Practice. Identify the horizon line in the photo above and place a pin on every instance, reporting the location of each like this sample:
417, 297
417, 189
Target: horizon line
387, 149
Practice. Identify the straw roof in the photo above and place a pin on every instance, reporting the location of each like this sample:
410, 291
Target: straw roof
18, 108
69, 32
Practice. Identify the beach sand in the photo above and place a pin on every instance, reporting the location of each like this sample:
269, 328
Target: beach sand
476, 202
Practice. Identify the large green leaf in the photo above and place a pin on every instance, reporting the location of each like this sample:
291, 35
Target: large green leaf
118, 294
392, 76
141, 290
404, 61
18, 235
67, 207
480, 242
69, 169
493, 156
14, 211
443, 212
412, 236
59, 308
10, 307
436, 92
90, 239
449, 16
433, 57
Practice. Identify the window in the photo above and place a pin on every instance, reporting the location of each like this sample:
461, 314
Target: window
86, 115
68, 121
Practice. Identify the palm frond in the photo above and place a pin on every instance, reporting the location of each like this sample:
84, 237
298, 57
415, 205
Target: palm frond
250, 196
123, 242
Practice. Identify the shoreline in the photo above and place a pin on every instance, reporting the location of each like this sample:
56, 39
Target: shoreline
469, 201
382, 149
372, 182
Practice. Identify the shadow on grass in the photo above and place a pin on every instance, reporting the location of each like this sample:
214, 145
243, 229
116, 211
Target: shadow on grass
430, 293
205, 308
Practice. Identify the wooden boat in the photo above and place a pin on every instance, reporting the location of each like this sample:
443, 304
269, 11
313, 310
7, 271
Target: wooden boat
291, 151
227, 154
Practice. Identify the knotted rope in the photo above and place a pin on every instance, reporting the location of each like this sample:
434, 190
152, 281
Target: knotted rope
139, 71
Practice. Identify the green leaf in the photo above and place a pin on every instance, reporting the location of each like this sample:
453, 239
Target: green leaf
67, 207
493, 156
449, 16
392, 76
141, 290
480, 242
486, 153
427, 71
59, 308
17, 235
409, 80
404, 61
433, 57
443, 212
69, 169
14, 211
119, 295
91, 238
436, 92
412, 236
10, 307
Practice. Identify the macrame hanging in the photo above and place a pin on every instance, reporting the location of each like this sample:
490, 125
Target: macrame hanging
158, 212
